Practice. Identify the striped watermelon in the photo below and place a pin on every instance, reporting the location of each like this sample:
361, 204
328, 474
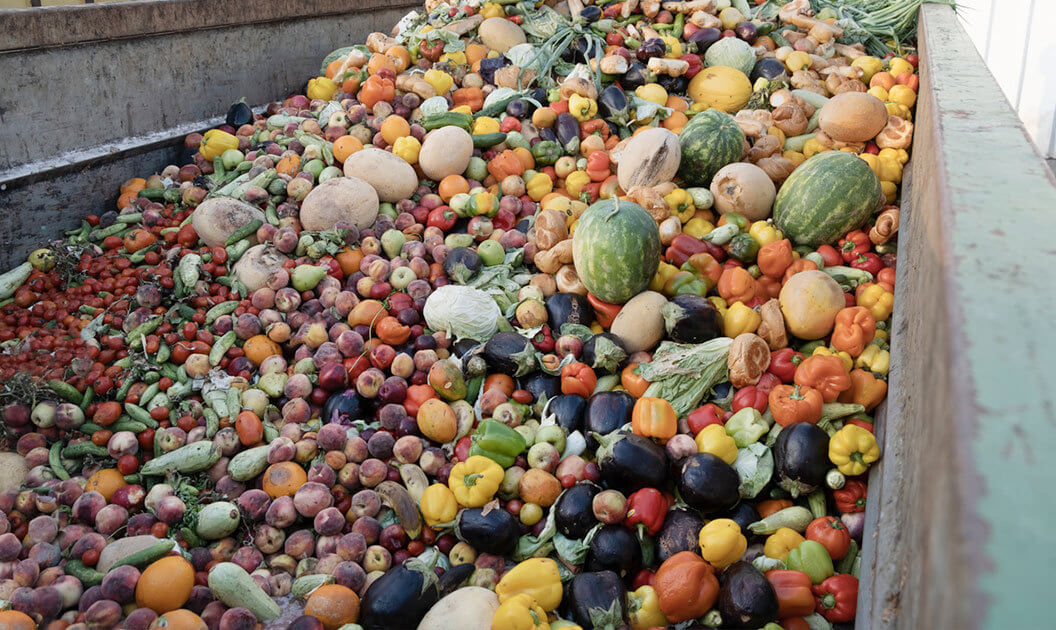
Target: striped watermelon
710, 140
616, 250
827, 196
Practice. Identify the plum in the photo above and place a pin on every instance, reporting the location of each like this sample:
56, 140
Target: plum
102, 615
281, 513
140, 619
299, 544
254, 504
120, 584
311, 498
329, 521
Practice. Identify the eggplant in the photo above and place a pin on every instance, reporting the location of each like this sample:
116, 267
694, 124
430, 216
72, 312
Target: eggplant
239, 114
542, 385
650, 48
681, 532
746, 598
613, 103
614, 548
495, 532
636, 76
595, 600
489, 65
672, 84
630, 462
590, 14
708, 484
569, 410
744, 515
606, 412
747, 31
703, 38
454, 578
568, 308
538, 94
344, 407
399, 599
510, 353
604, 353
691, 319
574, 510
461, 264
567, 130
546, 133
801, 458
578, 51
770, 69
462, 346
520, 108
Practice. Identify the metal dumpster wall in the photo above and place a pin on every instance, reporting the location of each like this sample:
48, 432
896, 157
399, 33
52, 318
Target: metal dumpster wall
960, 504
111, 89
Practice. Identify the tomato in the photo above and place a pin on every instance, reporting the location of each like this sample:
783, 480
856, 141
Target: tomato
749, 396
127, 464
832, 534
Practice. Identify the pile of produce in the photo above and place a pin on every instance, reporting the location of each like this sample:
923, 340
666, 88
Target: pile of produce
524, 316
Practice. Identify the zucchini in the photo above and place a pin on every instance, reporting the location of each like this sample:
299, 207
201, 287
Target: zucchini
446, 119
488, 140
233, 586
249, 463
194, 457
217, 520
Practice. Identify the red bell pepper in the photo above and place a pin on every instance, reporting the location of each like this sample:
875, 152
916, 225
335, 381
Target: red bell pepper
695, 64
749, 396
830, 256
578, 378
703, 416
647, 507
783, 364
837, 598
793, 590
682, 247
851, 497
432, 51
543, 341
855, 243
645, 577
868, 262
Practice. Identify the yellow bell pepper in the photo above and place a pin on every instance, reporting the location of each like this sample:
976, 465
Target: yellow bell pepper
890, 190
485, 124
721, 542
440, 80
653, 92
781, 543
903, 94
764, 232
215, 142
812, 147
879, 92
535, 577
894, 154
697, 227
889, 170
539, 186
869, 66
582, 108
720, 304
475, 481
740, 319
898, 109
407, 148
777, 133
457, 58
875, 359
662, 275
795, 157
520, 612
878, 300
798, 60
680, 204
321, 88
873, 161
491, 9
714, 439
484, 203
643, 609
844, 357
575, 182
898, 65
438, 504
462, 109
852, 449
674, 47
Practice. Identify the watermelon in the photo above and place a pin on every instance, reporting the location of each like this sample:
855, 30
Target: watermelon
709, 141
616, 250
827, 196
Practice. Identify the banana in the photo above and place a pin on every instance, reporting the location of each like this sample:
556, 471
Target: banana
415, 480
397, 497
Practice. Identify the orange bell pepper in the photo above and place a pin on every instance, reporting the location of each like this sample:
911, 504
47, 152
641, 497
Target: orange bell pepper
793, 589
505, 164
736, 285
791, 404
654, 418
774, 258
687, 587
854, 327
470, 96
375, 90
632, 382
825, 374
800, 264
706, 266
865, 390
578, 378
603, 311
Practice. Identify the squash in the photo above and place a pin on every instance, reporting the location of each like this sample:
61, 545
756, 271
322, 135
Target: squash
809, 302
640, 323
347, 199
217, 520
853, 117
257, 265
745, 189
283, 479
722, 87
500, 34
390, 176
165, 585
334, 605
248, 464
468, 608
233, 586
217, 218
650, 158
445, 151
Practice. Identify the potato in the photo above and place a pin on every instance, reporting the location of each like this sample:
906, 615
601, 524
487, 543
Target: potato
500, 34
809, 302
258, 264
13, 471
218, 218
853, 117
650, 158
445, 151
391, 177
340, 199
640, 324
468, 608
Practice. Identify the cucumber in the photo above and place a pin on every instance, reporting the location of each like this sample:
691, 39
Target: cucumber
248, 464
194, 457
488, 140
233, 586
458, 119
88, 576
147, 556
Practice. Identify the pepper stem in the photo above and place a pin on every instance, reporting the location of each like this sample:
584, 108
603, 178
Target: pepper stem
828, 601
471, 480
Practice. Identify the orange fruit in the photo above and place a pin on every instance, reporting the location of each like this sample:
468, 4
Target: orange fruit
334, 605
165, 585
14, 620
283, 479
105, 481
179, 620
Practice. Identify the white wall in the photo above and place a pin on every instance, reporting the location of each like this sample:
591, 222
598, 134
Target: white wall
1015, 38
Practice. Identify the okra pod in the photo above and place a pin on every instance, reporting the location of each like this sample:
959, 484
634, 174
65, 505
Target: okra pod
55, 462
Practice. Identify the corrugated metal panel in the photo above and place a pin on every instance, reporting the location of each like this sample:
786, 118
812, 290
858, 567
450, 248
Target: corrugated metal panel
1012, 36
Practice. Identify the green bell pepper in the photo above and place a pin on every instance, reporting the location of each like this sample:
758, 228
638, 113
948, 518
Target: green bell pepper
744, 248
547, 152
746, 426
812, 558
497, 442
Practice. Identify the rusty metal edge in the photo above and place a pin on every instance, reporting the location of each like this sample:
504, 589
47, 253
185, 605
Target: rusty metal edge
49, 27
